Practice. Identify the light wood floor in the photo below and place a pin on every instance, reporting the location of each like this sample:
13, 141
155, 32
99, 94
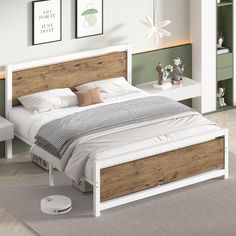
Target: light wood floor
20, 168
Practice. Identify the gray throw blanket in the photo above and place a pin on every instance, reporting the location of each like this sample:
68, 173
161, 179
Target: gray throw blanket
57, 135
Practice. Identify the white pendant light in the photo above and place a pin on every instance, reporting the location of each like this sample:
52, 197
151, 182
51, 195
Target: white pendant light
156, 29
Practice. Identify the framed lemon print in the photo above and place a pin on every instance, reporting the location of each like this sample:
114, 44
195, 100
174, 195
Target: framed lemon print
89, 18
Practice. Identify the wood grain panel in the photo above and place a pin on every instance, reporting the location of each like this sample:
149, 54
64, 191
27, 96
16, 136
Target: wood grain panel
157, 170
68, 74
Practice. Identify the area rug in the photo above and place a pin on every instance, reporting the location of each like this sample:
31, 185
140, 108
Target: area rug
208, 208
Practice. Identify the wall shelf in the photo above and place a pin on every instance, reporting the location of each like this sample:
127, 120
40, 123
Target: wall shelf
225, 3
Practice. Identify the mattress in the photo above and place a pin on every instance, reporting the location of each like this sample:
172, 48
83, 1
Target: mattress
109, 145
116, 144
140, 146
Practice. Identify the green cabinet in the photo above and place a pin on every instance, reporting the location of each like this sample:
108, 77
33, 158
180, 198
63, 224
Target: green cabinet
225, 73
225, 60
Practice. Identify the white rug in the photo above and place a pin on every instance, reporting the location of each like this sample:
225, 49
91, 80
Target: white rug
208, 208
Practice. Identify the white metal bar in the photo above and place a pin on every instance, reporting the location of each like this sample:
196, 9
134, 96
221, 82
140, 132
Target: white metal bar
158, 149
226, 145
129, 63
161, 189
51, 177
8, 149
69, 57
96, 189
8, 91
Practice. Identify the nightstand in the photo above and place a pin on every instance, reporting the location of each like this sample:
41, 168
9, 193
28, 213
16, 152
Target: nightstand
6, 134
189, 89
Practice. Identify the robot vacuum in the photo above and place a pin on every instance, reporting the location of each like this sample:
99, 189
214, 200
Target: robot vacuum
56, 205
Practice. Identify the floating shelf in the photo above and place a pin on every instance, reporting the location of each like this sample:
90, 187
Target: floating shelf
224, 53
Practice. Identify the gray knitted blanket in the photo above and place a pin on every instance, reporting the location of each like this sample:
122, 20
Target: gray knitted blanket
57, 135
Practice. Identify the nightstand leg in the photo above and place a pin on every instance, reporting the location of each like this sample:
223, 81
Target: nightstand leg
8, 149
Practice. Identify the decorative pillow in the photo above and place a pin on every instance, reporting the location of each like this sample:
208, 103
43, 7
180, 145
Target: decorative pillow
89, 97
110, 88
49, 100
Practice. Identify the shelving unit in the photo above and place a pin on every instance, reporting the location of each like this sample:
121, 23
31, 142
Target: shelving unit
225, 71
209, 68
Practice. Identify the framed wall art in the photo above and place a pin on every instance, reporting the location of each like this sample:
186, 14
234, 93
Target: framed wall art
89, 18
47, 21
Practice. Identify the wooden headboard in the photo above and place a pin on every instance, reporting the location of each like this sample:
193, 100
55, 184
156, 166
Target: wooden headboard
66, 72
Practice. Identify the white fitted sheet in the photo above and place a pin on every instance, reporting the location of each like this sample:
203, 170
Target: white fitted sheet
27, 124
128, 141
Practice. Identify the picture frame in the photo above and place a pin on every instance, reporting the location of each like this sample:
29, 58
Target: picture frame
47, 21
89, 18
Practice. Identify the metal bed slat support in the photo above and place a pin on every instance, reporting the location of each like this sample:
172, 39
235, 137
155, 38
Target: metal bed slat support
51, 177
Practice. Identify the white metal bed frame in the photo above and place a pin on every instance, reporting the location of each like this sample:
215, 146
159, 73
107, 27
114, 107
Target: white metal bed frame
99, 206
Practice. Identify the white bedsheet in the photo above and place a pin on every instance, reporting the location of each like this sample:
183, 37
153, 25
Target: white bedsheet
27, 124
127, 141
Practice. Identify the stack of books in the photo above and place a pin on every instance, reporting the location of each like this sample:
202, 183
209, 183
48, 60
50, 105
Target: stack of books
222, 50
166, 85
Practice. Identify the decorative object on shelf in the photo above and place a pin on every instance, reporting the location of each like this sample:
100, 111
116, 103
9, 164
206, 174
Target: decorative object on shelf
220, 97
159, 70
156, 29
168, 69
162, 75
47, 21
178, 72
89, 18
220, 41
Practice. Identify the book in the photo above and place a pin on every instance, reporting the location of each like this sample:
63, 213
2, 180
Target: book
222, 50
164, 86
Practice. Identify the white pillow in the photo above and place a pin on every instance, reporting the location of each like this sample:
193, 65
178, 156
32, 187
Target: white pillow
110, 87
49, 100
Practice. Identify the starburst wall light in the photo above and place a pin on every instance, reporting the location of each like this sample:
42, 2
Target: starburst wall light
156, 29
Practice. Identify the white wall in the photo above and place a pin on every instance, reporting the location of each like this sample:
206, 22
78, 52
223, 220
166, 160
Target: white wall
122, 24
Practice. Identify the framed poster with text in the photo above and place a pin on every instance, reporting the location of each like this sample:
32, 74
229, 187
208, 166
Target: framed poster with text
47, 21
89, 18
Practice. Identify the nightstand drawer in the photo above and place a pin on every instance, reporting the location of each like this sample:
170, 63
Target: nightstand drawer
224, 60
225, 73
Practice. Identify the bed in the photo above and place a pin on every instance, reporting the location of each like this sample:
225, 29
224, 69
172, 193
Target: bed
125, 164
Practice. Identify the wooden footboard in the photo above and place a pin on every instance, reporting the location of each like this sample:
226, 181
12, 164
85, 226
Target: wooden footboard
131, 177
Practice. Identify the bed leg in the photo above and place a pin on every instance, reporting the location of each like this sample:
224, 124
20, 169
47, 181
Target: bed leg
8, 149
96, 190
51, 177
226, 154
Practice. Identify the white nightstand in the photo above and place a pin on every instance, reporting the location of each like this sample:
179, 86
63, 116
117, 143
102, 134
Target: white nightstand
6, 134
189, 89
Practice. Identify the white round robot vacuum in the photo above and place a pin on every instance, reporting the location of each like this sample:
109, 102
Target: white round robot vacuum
56, 205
